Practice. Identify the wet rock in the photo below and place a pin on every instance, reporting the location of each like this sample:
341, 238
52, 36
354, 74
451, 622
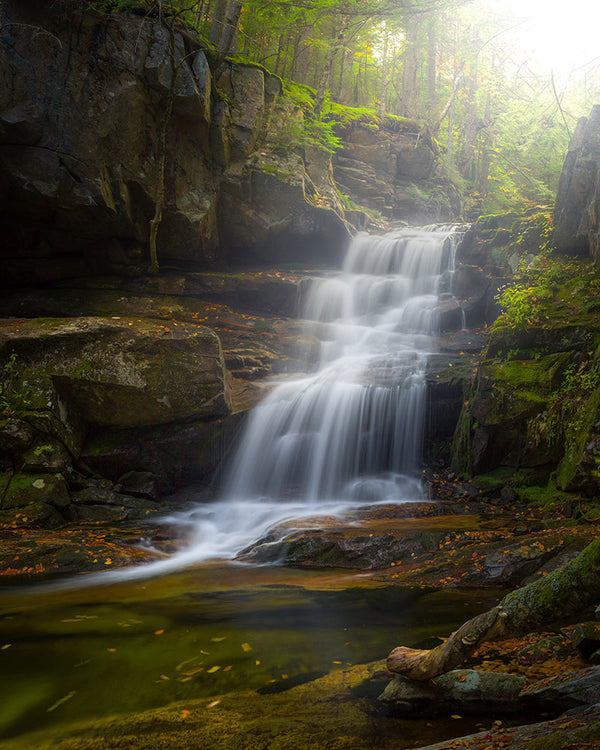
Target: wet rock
576, 729
34, 515
586, 639
555, 646
264, 220
518, 560
177, 454
565, 691
449, 315
25, 489
98, 492
96, 513
48, 457
16, 436
339, 550
466, 691
138, 484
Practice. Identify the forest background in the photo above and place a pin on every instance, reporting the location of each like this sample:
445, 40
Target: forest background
499, 85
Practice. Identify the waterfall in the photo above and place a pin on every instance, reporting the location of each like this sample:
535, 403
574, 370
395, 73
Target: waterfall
349, 428
352, 428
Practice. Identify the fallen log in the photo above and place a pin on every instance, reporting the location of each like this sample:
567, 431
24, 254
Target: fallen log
565, 592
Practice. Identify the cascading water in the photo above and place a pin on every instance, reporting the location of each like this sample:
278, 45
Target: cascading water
350, 429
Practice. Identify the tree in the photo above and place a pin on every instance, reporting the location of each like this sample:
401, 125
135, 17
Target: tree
565, 592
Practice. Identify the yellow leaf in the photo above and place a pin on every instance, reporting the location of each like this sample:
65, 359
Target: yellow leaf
213, 669
246, 647
62, 700
214, 703
217, 640
456, 716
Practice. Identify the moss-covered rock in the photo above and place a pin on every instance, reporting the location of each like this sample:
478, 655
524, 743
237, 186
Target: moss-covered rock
464, 690
31, 488
122, 372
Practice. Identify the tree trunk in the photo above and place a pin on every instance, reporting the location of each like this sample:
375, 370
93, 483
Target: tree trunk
336, 45
161, 187
218, 21
432, 67
471, 127
565, 592
410, 60
232, 17
384, 72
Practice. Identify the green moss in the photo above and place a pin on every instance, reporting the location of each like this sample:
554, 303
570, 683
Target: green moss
495, 221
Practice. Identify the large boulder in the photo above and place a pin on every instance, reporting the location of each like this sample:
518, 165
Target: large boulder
121, 372
466, 690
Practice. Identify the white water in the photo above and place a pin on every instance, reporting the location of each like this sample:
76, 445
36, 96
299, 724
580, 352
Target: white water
348, 432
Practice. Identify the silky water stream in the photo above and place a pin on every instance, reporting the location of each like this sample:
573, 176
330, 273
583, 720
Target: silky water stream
346, 432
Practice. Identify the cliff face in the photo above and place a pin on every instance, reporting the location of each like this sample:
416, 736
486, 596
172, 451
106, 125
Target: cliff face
83, 97
577, 208
82, 104
395, 170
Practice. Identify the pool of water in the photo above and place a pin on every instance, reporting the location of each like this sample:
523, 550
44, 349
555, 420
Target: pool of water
214, 629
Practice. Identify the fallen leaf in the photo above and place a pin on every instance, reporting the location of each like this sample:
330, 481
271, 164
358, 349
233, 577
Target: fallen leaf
62, 700
246, 647
158, 632
213, 669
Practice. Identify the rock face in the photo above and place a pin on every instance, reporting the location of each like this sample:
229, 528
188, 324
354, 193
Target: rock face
81, 118
577, 208
75, 383
394, 170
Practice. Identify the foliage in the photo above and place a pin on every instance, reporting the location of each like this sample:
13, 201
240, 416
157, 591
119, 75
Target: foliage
534, 299
451, 68
13, 400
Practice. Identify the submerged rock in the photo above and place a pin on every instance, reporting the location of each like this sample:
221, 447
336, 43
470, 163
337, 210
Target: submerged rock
461, 690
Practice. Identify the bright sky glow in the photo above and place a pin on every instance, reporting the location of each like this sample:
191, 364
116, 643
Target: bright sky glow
562, 35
